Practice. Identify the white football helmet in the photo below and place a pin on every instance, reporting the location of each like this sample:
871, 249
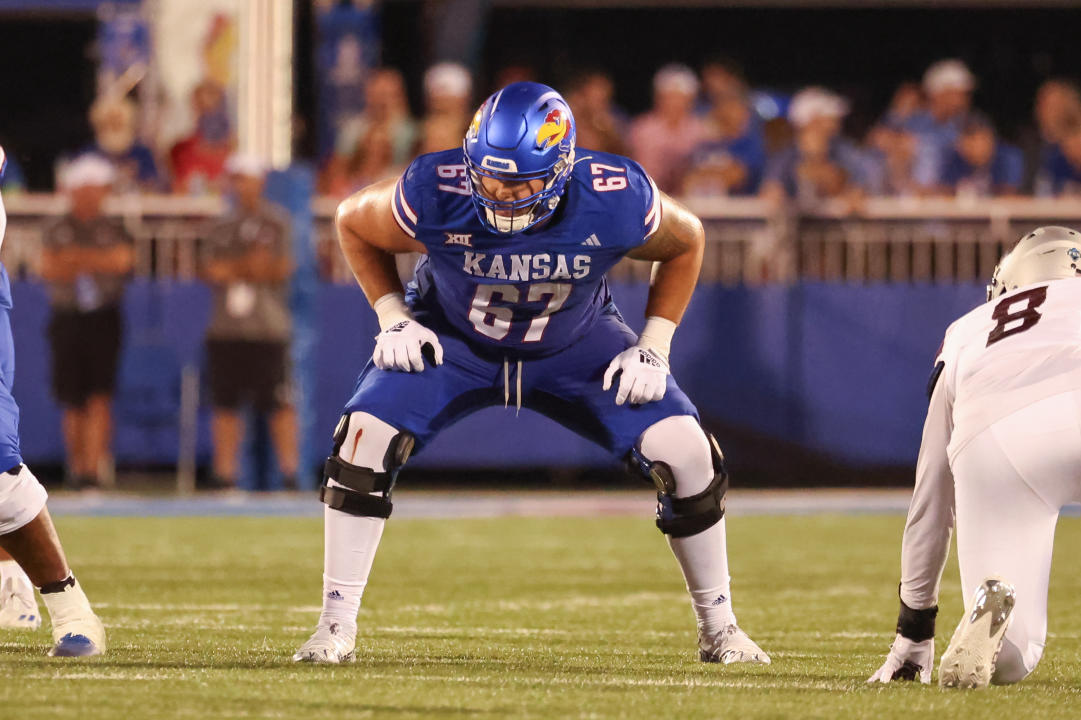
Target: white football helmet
1046, 253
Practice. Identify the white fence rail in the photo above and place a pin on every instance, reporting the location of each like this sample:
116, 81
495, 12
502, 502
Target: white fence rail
748, 241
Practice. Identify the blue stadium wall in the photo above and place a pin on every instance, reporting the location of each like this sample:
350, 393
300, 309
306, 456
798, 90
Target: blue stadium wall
833, 370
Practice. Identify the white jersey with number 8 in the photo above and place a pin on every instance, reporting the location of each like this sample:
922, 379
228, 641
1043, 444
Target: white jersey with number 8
1009, 353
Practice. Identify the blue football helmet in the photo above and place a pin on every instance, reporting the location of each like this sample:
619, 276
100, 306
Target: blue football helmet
521, 133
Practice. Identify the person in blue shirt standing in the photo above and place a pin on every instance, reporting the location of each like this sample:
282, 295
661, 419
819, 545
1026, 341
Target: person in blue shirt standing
510, 305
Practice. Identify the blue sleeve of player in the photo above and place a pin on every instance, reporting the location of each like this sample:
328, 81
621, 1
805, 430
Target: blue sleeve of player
647, 200
406, 200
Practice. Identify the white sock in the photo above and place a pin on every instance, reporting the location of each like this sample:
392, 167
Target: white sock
350, 542
350, 545
704, 561
68, 604
679, 442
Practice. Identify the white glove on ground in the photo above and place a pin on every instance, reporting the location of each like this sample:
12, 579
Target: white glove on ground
643, 368
401, 344
907, 661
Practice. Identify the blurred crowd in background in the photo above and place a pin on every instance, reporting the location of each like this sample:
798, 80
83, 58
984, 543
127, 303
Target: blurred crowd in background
708, 133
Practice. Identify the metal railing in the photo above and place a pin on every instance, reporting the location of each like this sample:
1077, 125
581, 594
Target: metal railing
749, 241
166, 230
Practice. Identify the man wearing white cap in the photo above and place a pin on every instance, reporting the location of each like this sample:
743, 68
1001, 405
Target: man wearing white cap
948, 85
86, 261
821, 164
448, 89
663, 139
448, 98
247, 260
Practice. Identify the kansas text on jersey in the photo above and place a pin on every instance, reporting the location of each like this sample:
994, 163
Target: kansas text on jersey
535, 292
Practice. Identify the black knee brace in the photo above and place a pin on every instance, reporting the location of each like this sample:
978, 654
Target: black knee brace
356, 498
684, 516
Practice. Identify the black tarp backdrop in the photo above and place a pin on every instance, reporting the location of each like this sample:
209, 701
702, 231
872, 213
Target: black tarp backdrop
47, 67
864, 53
47, 76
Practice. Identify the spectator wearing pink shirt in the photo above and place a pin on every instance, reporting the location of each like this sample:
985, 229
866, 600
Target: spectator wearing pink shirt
663, 139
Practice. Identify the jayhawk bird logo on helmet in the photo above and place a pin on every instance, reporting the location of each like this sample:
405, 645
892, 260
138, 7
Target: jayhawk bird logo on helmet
519, 151
474, 126
553, 130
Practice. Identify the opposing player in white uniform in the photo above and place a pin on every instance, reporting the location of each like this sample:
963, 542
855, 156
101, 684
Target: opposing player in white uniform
1001, 454
27, 536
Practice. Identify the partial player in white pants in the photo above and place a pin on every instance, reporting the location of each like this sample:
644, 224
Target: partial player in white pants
1011, 482
27, 534
1000, 456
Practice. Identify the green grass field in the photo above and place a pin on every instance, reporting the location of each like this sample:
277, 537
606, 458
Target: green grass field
516, 617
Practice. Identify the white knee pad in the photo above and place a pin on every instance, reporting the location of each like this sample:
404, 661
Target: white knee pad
367, 439
359, 477
680, 443
22, 499
688, 469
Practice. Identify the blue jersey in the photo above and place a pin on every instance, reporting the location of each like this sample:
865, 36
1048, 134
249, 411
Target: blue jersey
5, 288
536, 292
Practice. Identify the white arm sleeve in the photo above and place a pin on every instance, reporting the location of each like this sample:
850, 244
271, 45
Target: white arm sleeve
926, 543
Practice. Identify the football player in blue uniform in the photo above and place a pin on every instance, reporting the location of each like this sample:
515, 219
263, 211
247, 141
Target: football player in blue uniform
510, 304
31, 551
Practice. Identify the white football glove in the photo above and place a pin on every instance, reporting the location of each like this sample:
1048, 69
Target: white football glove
401, 347
908, 660
643, 375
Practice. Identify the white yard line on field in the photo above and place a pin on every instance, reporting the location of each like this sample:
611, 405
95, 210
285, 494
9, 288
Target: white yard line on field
503, 679
566, 602
482, 504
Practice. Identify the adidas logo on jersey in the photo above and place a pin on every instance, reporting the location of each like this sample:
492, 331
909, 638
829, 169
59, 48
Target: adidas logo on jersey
592, 241
459, 239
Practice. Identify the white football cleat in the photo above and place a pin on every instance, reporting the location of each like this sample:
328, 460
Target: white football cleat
80, 636
969, 661
328, 644
18, 606
730, 645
